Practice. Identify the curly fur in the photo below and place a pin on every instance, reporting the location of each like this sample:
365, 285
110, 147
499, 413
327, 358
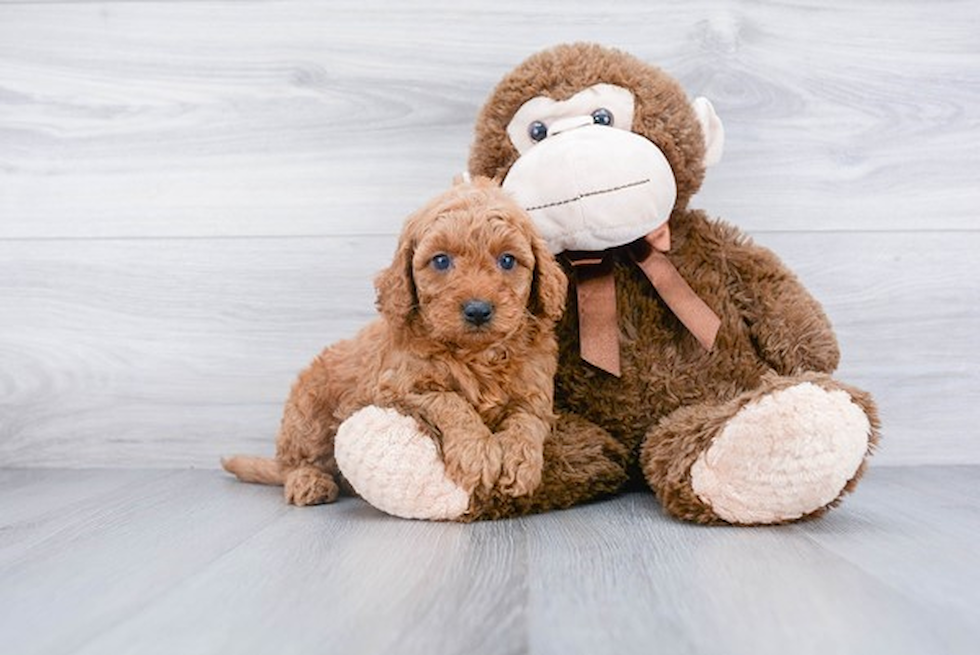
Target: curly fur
484, 392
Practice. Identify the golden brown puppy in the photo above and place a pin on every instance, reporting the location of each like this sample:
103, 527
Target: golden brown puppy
465, 344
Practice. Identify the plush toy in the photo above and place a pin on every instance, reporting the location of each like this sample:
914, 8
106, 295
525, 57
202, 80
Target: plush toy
690, 358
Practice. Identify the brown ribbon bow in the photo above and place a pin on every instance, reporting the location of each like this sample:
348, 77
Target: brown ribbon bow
596, 287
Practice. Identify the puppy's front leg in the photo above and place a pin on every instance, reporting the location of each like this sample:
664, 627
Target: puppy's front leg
521, 438
470, 451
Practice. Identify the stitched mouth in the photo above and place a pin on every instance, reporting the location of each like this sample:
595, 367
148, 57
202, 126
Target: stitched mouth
589, 194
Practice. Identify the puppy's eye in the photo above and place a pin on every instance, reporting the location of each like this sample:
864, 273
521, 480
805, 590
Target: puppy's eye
537, 131
602, 116
442, 262
507, 261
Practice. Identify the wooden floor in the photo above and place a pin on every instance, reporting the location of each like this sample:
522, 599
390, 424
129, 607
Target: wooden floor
154, 561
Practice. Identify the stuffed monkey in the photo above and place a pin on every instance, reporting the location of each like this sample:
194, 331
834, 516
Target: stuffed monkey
691, 359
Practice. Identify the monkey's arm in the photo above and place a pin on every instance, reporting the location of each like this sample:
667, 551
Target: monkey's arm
788, 326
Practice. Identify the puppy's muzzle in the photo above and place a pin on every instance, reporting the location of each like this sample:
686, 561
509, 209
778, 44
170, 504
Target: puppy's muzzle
477, 312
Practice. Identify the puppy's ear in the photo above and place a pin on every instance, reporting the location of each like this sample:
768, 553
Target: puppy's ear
550, 285
397, 300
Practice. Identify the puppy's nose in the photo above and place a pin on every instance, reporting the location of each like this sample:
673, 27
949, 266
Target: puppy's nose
477, 312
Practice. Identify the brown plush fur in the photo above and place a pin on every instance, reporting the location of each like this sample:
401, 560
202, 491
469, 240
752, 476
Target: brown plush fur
484, 392
582, 463
672, 446
673, 397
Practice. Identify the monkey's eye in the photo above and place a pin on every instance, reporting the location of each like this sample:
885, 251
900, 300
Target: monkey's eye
537, 131
442, 262
602, 116
507, 261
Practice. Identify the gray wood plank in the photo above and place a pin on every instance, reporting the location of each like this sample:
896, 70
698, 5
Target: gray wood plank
29, 500
139, 119
345, 578
196, 563
113, 554
173, 352
57, 519
915, 529
204, 335
620, 578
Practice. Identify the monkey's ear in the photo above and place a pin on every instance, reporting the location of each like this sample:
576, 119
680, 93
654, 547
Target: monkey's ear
713, 130
395, 286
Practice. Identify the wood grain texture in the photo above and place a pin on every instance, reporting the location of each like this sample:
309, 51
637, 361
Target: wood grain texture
731, 590
889, 526
194, 562
173, 352
195, 196
299, 117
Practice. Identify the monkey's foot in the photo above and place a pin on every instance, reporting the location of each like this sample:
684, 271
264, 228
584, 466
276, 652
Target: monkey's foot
395, 467
783, 456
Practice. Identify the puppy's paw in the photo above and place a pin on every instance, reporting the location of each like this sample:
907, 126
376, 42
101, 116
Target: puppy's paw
309, 486
473, 462
521, 469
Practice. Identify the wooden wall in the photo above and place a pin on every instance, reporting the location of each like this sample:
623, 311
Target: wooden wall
194, 196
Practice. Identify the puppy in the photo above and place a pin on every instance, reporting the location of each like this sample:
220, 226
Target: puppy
465, 345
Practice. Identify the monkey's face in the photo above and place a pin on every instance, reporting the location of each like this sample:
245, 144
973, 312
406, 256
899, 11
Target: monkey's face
587, 180
596, 145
